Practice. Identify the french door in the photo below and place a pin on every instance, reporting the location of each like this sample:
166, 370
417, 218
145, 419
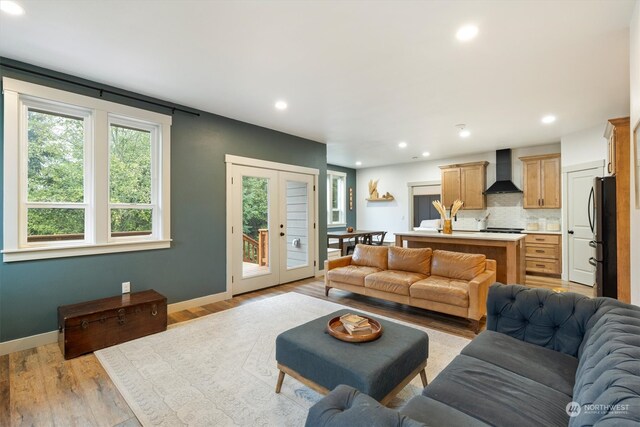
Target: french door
273, 240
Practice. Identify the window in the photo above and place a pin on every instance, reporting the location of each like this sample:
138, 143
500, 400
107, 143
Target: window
82, 175
336, 198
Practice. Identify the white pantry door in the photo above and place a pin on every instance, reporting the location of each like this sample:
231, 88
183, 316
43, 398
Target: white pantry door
579, 185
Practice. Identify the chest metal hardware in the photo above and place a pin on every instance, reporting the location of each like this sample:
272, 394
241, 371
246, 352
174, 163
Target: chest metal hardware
121, 316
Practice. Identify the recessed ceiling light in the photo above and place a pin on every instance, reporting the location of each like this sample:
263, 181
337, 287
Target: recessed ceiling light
281, 105
426, 154
548, 119
11, 7
464, 133
358, 163
402, 144
466, 33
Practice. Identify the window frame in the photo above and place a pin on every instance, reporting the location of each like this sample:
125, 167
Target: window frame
155, 218
342, 199
19, 96
27, 103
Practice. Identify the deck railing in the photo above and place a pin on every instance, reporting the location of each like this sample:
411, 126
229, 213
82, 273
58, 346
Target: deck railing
249, 249
256, 251
78, 236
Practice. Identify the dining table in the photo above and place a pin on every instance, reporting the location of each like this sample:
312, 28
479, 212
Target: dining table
359, 236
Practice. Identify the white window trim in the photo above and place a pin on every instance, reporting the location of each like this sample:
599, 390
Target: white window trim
342, 204
97, 219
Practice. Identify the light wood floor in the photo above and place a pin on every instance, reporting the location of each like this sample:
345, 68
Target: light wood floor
39, 388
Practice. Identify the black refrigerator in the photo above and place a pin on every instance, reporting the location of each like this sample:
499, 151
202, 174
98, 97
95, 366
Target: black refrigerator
602, 219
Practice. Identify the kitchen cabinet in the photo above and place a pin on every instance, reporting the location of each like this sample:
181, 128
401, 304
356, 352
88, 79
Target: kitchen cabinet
467, 182
541, 176
618, 135
543, 254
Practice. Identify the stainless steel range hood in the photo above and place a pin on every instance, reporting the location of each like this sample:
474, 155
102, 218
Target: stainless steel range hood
503, 182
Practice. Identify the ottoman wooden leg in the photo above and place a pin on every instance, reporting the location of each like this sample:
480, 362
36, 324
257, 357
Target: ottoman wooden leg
423, 377
279, 383
326, 291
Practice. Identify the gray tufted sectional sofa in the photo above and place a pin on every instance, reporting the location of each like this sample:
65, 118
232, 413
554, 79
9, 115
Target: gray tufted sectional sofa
541, 351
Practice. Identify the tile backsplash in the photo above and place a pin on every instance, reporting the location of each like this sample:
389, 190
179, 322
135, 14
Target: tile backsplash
505, 210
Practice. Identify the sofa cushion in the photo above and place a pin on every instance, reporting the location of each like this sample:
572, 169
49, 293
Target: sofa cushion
497, 396
351, 274
442, 289
609, 370
370, 256
416, 260
551, 368
457, 265
396, 282
435, 414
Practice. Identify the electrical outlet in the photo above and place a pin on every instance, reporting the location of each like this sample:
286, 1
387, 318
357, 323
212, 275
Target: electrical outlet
126, 287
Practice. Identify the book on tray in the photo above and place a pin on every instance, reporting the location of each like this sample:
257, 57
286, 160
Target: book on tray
355, 325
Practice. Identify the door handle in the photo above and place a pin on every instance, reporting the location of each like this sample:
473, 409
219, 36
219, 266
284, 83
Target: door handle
281, 233
570, 231
593, 244
594, 261
589, 208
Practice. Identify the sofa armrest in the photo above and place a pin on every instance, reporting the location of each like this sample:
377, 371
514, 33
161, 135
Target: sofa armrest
330, 264
478, 290
347, 407
555, 320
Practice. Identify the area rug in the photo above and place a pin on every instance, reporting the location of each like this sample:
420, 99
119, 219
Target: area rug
220, 369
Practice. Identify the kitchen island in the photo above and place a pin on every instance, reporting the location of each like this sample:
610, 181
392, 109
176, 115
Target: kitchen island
507, 249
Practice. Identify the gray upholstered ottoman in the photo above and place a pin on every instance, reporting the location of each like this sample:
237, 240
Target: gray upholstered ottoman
379, 368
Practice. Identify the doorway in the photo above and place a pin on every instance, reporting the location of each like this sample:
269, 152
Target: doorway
272, 227
579, 234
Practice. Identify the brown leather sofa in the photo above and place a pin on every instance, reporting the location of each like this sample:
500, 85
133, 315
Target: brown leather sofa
448, 282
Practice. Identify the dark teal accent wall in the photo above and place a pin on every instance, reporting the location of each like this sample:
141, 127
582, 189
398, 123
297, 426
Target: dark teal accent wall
351, 183
195, 265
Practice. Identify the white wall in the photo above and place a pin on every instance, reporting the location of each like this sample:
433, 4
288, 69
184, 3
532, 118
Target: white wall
635, 117
585, 146
395, 216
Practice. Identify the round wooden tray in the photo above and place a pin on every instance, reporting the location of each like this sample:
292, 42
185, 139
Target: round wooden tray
336, 330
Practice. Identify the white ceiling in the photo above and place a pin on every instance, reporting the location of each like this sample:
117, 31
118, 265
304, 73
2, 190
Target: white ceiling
358, 75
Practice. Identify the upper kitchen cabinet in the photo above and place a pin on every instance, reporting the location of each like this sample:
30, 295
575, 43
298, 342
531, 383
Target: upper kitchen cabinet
466, 182
541, 175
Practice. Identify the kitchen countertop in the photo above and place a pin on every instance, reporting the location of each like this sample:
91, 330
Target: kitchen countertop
506, 237
541, 232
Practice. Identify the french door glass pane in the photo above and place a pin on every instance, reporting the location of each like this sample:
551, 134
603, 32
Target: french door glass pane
53, 224
55, 151
255, 226
297, 224
129, 165
131, 222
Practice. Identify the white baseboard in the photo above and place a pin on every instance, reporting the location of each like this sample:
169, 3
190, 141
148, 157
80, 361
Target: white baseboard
197, 302
52, 337
28, 342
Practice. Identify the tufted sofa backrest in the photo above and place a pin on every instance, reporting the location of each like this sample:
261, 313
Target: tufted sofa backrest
540, 316
608, 376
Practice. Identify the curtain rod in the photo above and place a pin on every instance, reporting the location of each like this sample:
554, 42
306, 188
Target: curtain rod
101, 91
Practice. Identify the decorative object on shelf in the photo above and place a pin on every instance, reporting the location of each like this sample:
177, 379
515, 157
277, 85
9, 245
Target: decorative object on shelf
349, 229
350, 198
374, 196
455, 207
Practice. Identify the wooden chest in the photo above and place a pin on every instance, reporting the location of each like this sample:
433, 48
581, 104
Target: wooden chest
92, 325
